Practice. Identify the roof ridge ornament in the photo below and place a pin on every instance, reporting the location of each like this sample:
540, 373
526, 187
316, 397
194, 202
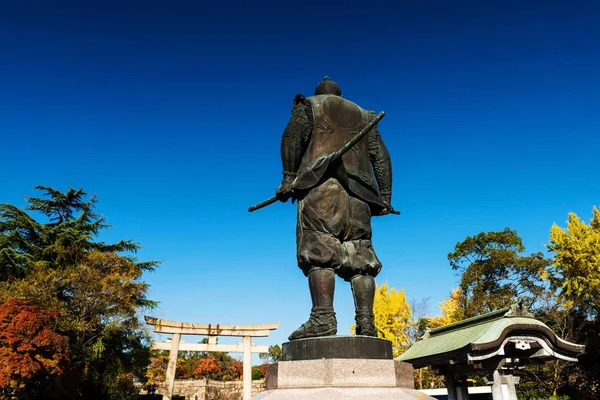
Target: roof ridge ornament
519, 310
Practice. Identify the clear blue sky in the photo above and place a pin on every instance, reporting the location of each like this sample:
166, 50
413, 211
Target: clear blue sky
172, 113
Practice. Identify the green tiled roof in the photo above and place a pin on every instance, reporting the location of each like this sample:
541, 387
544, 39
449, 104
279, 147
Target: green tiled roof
480, 333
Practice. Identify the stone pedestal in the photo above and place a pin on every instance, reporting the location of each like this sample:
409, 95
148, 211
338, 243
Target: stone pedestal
339, 367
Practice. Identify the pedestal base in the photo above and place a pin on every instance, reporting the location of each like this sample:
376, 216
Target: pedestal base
339, 373
340, 379
343, 394
340, 367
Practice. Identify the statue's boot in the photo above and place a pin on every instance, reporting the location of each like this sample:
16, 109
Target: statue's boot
363, 290
322, 322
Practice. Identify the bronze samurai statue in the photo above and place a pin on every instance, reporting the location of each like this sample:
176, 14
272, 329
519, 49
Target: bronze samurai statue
335, 201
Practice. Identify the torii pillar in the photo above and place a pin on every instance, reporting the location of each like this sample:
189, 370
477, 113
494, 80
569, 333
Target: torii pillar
212, 331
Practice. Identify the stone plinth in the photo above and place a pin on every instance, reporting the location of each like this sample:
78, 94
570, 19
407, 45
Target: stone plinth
339, 373
353, 347
343, 394
340, 379
340, 367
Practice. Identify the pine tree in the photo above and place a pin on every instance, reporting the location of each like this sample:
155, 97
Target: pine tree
50, 255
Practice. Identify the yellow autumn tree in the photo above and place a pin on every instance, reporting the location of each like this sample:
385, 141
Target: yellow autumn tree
451, 311
392, 317
576, 266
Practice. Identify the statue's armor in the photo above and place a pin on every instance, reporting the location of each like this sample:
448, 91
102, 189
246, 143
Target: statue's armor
336, 121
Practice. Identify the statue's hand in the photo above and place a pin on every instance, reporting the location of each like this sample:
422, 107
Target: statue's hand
283, 193
390, 210
388, 207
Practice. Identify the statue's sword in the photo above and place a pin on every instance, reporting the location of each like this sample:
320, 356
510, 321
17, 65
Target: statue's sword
323, 163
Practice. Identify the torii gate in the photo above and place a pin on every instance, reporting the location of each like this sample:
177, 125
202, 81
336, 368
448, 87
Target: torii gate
212, 331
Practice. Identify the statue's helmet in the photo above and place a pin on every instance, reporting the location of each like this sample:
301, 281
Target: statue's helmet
328, 87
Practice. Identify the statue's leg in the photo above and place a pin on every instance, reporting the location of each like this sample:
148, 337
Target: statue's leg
319, 252
363, 291
322, 321
361, 266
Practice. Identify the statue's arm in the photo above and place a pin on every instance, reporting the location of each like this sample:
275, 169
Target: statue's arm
295, 139
382, 164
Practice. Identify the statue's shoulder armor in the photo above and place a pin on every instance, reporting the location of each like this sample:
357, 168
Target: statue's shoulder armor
325, 98
343, 112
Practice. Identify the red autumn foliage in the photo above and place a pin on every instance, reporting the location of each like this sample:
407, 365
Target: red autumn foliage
206, 367
28, 347
236, 369
263, 368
